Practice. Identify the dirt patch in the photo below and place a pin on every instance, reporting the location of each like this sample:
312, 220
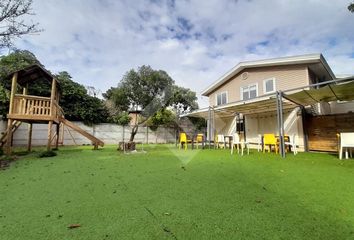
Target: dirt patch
5, 162
127, 146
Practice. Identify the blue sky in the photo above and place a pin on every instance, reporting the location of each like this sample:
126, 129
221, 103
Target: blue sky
196, 42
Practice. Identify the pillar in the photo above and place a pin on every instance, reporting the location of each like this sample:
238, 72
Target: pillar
29, 142
57, 136
50, 124
10, 121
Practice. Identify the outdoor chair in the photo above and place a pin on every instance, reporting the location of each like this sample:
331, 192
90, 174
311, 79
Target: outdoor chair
220, 141
292, 143
270, 140
346, 142
236, 141
183, 141
199, 139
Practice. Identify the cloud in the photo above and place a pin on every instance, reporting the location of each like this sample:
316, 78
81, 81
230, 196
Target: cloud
196, 42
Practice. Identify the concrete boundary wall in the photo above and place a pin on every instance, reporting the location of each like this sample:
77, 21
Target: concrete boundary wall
108, 133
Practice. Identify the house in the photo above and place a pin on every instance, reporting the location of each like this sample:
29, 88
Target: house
245, 100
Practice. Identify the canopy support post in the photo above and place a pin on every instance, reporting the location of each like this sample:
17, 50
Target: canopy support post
279, 98
209, 126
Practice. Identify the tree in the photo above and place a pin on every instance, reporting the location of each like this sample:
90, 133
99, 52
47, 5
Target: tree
162, 117
12, 23
351, 7
183, 100
15, 61
4, 101
77, 104
150, 91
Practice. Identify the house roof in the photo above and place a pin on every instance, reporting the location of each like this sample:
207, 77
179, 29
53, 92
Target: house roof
301, 59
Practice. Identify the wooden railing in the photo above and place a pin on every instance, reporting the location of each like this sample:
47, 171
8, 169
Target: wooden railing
27, 105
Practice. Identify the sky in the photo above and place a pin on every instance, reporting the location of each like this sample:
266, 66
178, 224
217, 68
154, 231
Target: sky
194, 41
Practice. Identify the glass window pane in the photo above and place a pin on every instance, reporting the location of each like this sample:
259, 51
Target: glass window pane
269, 86
218, 102
245, 95
223, 98
253, 93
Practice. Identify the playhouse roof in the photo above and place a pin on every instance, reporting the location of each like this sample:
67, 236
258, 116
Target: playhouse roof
33, 73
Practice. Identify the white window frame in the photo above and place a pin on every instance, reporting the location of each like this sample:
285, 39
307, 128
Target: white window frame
216, 98
264, 86
248, 86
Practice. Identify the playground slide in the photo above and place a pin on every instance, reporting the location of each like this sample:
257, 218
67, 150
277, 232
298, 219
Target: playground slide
95, 141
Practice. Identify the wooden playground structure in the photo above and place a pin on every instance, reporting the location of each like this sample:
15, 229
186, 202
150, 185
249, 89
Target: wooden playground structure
36, 109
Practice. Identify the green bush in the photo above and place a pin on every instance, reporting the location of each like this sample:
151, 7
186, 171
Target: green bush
1, 152
47, 154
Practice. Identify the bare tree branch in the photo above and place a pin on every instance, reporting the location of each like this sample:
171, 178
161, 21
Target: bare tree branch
12, 22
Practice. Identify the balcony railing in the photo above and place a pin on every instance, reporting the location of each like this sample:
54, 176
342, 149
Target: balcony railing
35, 106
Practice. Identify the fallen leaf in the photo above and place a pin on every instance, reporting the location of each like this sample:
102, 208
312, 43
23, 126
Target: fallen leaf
71, 226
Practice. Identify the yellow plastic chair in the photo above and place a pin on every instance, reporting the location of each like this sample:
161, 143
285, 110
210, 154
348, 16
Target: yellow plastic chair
199, 139
183, 140
270, 140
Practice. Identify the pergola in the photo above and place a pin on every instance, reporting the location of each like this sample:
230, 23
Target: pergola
339, 89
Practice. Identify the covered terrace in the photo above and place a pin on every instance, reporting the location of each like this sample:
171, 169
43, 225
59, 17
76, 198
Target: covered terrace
324, 92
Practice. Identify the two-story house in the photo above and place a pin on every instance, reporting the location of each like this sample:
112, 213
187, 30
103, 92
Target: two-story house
243, 99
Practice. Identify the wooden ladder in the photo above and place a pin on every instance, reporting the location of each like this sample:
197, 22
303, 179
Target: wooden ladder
15, 125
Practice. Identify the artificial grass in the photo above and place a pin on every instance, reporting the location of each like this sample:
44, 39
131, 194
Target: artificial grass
175, 194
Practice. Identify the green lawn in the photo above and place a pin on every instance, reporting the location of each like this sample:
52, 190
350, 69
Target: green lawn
176, 194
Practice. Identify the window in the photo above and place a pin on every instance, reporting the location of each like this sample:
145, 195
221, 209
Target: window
269, 85
221, 98
249, 92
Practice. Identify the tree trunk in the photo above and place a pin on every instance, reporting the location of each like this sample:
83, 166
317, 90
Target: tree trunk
133, 133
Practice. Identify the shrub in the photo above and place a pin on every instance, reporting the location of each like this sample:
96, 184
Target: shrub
47, 154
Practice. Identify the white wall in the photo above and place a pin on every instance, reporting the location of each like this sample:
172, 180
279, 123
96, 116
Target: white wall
108, 133
342, 107
264, 123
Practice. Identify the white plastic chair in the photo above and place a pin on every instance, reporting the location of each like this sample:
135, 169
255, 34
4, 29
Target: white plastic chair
346, 143
221, 141
292, 143
236, 141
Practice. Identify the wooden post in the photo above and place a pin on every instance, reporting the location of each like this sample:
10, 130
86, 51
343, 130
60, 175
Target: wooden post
10, 121
25, 90
13, 92
50, 124
57, 136
29, 143
9, 137
52, 97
